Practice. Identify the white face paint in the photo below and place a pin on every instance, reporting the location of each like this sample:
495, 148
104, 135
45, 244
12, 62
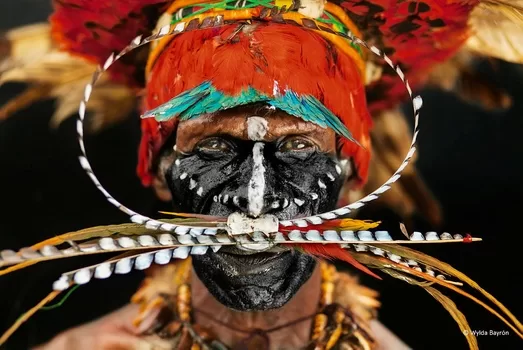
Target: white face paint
256, 189
257, 128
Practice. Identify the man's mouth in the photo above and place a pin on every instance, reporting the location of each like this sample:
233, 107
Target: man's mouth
247, 262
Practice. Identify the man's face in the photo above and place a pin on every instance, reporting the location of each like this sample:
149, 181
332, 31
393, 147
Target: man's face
254, 161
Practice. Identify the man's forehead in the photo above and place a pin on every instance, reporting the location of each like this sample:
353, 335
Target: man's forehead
251, 124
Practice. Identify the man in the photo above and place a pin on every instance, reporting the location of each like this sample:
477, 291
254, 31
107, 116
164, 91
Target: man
259, 119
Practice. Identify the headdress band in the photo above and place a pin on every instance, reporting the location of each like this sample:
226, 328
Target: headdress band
328, 16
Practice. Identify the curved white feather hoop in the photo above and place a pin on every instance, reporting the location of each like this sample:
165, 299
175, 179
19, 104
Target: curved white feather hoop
217, 21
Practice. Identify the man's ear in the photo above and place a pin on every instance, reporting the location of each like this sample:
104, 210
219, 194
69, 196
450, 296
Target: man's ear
160, 186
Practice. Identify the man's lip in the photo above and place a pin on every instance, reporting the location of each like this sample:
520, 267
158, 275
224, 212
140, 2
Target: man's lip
238, 250
250, 263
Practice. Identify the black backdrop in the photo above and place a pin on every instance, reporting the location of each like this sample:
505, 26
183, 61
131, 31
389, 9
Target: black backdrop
470, 158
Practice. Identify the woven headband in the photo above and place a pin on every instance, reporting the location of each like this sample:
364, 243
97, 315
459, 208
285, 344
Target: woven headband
327, 16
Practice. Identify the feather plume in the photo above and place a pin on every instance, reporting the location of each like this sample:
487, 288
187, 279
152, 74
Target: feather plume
29, 56
459, 76
497, 26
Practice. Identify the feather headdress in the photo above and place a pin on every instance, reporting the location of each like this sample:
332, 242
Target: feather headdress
217, 34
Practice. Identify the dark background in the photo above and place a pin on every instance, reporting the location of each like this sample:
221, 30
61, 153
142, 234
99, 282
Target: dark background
471, 159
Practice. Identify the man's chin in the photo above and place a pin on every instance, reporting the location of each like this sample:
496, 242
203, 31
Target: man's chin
253, 282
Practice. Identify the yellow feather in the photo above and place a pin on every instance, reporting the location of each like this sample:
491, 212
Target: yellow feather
497, 27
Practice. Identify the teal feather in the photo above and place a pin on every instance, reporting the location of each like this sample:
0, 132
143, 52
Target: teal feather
205, 98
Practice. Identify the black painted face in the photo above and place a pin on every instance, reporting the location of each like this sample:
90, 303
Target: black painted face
275, 165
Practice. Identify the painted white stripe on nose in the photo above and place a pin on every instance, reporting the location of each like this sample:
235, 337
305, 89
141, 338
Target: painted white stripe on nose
256, 189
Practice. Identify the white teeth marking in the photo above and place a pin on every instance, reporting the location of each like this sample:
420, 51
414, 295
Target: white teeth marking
220, 198
163, 257
103, 271
328, 216
361, 247
298, 202
365, 236
82, 277
177, 162
331, 235
395, 258
236, 200
256, 189
446, 235
192, 184
166, 239
196, 231
314, 196
321, 184
123, 266
204, 240
49, 250
257, 128
181, 230
382, 236
295, 235
417, 236
315, 220
215, 199
225, 199
181, 252
143, 261
348, 236
61, 284
183, 176
146, 241
126, 242
338, 169
185, 239
200, 191
432, 236
378, 251
199, 250
107, 243
331, 177
300, 223
285, 202
210, 231
313, 235
275, 205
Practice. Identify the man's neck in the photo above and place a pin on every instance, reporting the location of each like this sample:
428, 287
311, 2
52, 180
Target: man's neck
231, 325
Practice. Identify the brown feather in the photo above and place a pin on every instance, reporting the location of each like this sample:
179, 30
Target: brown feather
28, 55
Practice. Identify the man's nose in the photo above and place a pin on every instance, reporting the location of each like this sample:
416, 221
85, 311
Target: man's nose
256, 195
269, 204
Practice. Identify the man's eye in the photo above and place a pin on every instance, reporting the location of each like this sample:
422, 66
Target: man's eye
213, 146
297, 144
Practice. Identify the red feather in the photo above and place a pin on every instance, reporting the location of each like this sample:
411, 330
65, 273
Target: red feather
334, 251
296, 58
